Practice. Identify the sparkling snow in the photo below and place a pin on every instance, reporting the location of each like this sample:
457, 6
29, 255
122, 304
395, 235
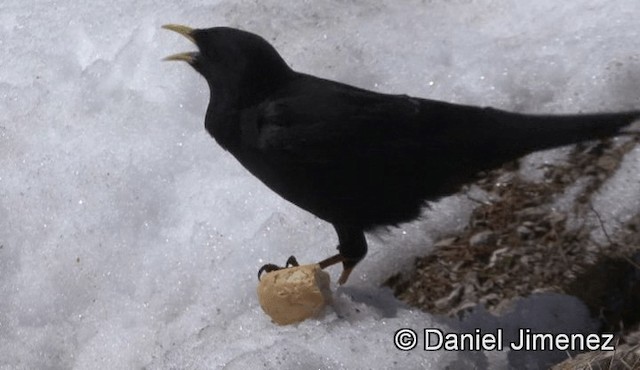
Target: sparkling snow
129, 239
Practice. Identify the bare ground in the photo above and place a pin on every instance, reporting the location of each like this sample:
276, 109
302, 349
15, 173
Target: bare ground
519, 243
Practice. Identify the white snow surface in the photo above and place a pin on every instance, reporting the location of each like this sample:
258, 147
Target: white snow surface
129, 239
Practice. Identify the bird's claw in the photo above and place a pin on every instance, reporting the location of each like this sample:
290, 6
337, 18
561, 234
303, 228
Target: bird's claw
268, 268
291, 262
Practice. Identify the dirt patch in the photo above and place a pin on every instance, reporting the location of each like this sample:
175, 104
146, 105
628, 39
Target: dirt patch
519, 243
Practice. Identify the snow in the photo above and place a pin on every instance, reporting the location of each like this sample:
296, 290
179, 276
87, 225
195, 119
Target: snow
618, 199
129, 239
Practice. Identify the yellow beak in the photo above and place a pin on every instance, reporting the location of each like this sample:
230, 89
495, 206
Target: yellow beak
187, 32
188, 57
183, 30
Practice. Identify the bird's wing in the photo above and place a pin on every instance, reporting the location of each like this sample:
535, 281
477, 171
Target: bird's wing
334, 125
378, 156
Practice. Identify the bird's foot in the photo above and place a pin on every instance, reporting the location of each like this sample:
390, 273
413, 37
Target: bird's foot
346, 270
291, 261
344, 276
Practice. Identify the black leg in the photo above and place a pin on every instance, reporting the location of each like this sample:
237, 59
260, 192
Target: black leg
352, 248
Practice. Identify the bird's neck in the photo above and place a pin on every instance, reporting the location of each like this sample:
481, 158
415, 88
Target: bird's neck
228, 100
221, 122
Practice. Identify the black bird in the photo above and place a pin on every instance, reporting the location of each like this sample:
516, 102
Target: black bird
356, 158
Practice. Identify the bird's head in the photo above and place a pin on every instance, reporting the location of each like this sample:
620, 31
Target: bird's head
234, 62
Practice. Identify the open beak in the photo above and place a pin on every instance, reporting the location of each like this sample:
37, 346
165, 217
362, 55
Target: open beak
187, 32
185, 57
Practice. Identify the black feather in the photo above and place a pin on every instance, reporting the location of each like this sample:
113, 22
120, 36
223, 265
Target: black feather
356, 158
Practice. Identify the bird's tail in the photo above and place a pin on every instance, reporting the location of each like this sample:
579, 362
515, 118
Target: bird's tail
515, 134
